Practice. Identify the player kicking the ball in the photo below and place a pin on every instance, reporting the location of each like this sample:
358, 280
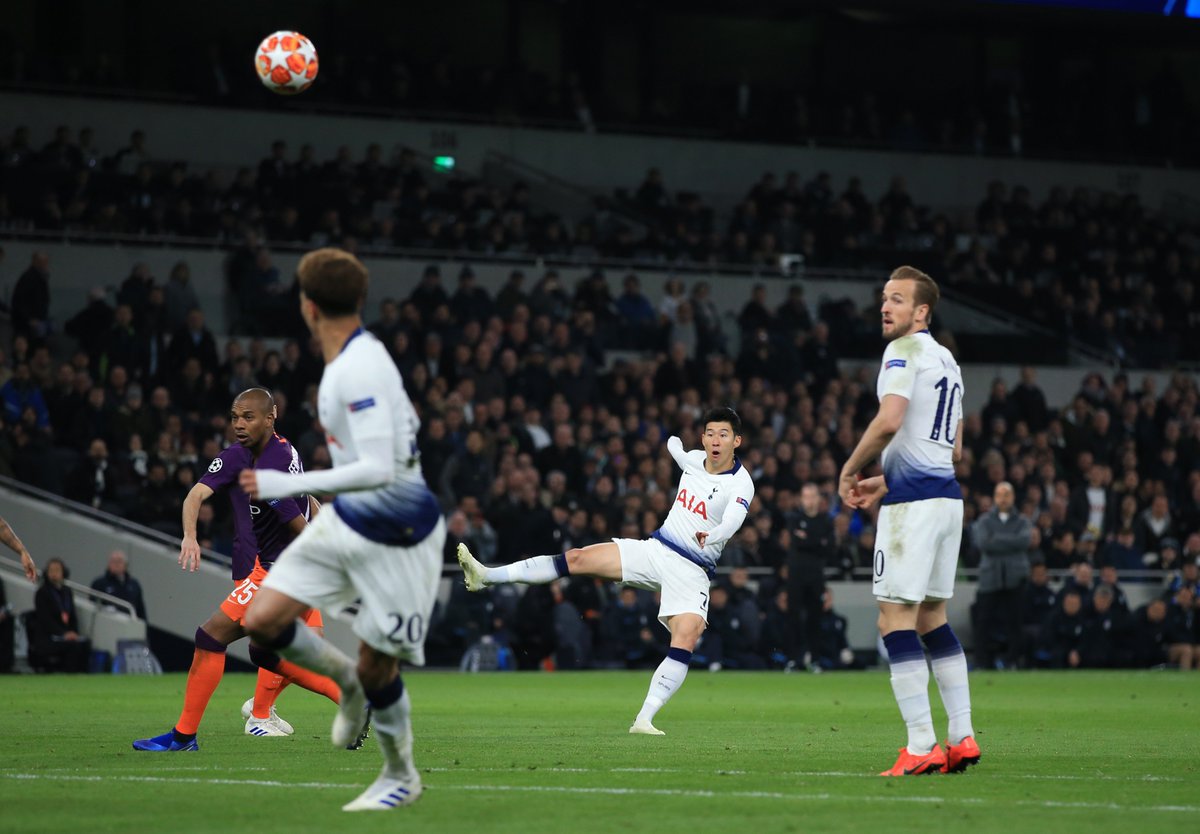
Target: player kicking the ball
678, 559
380, 541
918, 430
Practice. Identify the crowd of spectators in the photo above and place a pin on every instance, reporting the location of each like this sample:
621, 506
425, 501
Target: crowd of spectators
537, 439
1100, 268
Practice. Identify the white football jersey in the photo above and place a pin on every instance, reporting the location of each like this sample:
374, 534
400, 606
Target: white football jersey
703, 502
362, 401
918, 462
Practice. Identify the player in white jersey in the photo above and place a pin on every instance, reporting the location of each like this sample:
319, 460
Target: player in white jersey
379, 541
918, 430
678, 559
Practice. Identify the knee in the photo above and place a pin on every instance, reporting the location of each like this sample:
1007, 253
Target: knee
575, 558
687, 634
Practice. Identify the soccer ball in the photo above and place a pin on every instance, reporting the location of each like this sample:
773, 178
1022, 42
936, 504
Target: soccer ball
286, 63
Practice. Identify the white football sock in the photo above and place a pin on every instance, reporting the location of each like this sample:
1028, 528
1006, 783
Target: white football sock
310, 650
951, 675
393, 730
668, 677
910, 684
536, 570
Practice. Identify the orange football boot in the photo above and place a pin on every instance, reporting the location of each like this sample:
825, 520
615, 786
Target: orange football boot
910, 764
962, 755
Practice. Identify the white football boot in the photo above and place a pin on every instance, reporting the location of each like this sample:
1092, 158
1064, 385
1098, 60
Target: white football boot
473, 570
273, 725
643, 727
387, 793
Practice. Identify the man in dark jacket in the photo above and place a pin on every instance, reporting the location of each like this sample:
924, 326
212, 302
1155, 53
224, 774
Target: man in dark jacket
117, 582
31, 299
812, 543
1004, 539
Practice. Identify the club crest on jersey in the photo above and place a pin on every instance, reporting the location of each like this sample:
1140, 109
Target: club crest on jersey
895, 363
690, 504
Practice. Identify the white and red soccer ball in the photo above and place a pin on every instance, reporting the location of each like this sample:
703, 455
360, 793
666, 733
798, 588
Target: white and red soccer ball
286, 63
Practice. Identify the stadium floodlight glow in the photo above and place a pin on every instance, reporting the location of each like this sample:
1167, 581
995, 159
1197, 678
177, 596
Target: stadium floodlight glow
443, 163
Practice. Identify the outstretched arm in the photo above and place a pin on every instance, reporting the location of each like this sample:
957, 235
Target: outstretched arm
675, 447
373, 469
14, 542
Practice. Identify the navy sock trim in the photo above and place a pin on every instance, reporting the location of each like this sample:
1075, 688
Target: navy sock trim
682, 655
560, 565
903, 646
182, 738
942, 642
207, 642
263, 658
284, 638
388, 695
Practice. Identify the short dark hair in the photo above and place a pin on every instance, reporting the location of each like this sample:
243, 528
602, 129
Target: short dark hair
925, 290
723, 414
334, 280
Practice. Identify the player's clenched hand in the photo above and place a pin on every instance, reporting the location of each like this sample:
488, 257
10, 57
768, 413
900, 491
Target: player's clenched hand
870, 490
701, 537
848, 489
29, 566
248, 481
189, 554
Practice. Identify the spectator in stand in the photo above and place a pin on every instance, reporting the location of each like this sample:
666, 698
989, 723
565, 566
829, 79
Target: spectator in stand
1106, 639
56, 634
19, 393
31, 299
777, 639
116, 581
193, 340
833, 649
1004, 539
731, 640
1036, 605
181, 297
627, 634
1150, 635
1156, 526
637, 318
1062, 633
1181, 638
1092, 504
811, 552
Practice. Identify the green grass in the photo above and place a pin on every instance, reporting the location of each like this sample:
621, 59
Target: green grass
529, 753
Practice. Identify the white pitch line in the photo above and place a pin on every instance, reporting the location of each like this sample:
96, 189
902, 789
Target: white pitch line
606, 791
824, 774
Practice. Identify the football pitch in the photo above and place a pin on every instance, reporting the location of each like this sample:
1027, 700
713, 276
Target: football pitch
534, 752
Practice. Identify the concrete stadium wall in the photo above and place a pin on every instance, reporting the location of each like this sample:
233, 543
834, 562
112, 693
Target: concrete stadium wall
722, 171
176, 602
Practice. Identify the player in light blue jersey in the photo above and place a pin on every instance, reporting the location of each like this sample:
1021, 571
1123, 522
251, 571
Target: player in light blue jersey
379, 542
918, 436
